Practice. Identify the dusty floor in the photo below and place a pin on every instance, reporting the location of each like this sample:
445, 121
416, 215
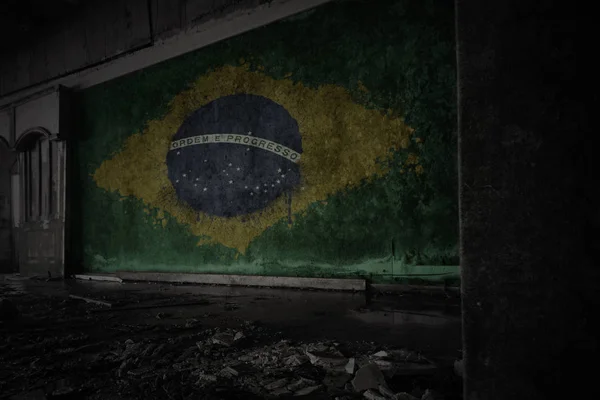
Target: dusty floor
154, 341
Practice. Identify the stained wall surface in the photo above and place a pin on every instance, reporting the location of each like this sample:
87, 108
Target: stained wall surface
320, 145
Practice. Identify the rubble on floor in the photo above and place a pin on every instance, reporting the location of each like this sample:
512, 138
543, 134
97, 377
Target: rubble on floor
102, 359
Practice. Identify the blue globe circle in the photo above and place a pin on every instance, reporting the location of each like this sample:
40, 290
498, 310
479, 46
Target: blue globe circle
245, 165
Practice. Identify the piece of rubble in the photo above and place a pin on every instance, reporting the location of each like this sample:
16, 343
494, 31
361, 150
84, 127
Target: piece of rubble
92, 301
300, 384
386, 391
280, 391
405, 396
226, 339
381, 354
350, 366
327, 360
229, 371
139, 372
373, 395
277, 384
294, 360
368, 377
336, 380
205, 378
307, 390
431, 395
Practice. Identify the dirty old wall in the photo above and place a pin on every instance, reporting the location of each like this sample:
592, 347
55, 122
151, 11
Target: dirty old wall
321, 145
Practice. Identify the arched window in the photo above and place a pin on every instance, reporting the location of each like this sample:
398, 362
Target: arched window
39, 174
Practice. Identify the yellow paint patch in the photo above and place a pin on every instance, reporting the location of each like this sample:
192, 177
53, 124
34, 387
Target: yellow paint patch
341, 140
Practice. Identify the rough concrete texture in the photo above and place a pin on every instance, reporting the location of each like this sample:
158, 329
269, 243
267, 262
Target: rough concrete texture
527, 283
159, 341
248, 280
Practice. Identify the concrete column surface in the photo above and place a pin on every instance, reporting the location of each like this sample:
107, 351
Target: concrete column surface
528, 224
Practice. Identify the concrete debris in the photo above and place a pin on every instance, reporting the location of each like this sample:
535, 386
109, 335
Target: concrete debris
373, 395
230, 372
307, 390
280, 392
368, 377
384, 390
227, 338
181, 358
405, 396
431, 395
300, 384
277, 384
294, 360
350, 366
336, 380
328, 360
91, 301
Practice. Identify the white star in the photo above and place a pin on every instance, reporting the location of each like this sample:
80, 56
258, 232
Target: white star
272, 185
184, 175
279, 170
177, 181
251, 193
223, 170
245, 187
197, 179
248, 149
238, 168
278, 181
205, 160
283, 176
265, 184
257, 188
178, 153
205, 189
265, 190
230, 164
195, 184
230, 182
249, 133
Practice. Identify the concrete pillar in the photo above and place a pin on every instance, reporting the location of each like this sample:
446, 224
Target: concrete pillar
527, 221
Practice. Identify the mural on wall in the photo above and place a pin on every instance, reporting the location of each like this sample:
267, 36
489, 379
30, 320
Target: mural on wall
240, 150
321, 145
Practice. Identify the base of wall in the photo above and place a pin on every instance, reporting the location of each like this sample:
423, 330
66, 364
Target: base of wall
248, 280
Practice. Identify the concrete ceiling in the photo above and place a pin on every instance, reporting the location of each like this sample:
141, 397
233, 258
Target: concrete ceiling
22, 20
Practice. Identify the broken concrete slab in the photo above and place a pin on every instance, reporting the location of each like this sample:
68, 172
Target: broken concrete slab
405, 396
92, 301
277, 384
226, 338
368, 377
98, 277
336, 380
373, 395
328, 360
355, 285
350, 366
307, 390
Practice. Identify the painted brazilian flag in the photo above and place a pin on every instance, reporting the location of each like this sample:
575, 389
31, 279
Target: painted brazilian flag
319, 145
